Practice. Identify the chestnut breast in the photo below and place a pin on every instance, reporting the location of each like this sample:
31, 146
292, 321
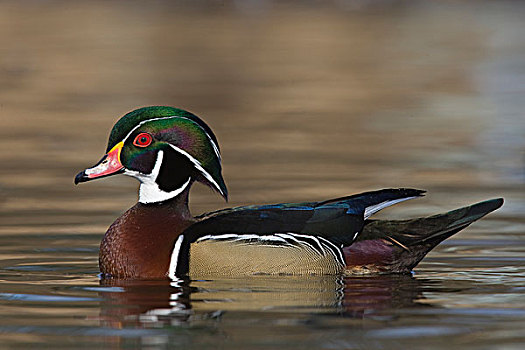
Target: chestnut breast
140, 242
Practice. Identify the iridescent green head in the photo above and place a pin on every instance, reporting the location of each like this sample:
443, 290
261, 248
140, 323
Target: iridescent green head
165, 148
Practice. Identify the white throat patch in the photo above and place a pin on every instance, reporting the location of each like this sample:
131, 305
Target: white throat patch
149, 191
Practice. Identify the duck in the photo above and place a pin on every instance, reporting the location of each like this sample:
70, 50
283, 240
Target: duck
167, 149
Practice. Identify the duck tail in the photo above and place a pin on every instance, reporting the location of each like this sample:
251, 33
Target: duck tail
397, 246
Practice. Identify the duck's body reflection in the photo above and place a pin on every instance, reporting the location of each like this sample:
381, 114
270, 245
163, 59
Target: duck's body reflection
152, 302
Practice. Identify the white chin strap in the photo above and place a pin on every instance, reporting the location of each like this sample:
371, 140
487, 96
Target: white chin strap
149, 191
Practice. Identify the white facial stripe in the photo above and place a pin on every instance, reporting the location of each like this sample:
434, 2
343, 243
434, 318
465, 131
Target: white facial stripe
151, 177
175, 258
215, 148
149, 191
142, 123
158, 163
199, 167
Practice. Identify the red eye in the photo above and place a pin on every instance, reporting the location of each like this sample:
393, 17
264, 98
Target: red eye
143, 140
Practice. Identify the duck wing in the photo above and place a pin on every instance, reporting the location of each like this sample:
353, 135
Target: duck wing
338, 220
286, 238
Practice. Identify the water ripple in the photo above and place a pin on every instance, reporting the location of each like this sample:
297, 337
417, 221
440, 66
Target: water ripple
43, 298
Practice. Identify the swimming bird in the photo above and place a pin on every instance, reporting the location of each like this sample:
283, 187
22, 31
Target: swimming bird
167, 149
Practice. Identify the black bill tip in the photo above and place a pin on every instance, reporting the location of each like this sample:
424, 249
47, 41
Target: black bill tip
81, 177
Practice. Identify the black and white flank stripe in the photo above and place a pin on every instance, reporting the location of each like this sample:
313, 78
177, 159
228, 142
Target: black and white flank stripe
316, 244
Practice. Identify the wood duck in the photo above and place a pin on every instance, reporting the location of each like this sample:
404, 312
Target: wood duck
167, 149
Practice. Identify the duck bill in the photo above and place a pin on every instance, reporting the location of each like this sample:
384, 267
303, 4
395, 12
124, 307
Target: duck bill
109, 165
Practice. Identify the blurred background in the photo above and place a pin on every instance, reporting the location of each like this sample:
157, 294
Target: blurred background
309, 100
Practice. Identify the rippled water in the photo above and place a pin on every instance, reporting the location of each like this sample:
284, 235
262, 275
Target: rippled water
308, 102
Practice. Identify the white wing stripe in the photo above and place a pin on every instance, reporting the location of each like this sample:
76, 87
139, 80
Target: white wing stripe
317, 244
371, 210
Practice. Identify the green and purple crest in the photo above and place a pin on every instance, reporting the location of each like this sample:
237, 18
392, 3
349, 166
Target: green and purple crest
165, 145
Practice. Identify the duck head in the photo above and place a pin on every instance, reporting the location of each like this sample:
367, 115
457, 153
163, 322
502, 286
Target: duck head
166, 149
